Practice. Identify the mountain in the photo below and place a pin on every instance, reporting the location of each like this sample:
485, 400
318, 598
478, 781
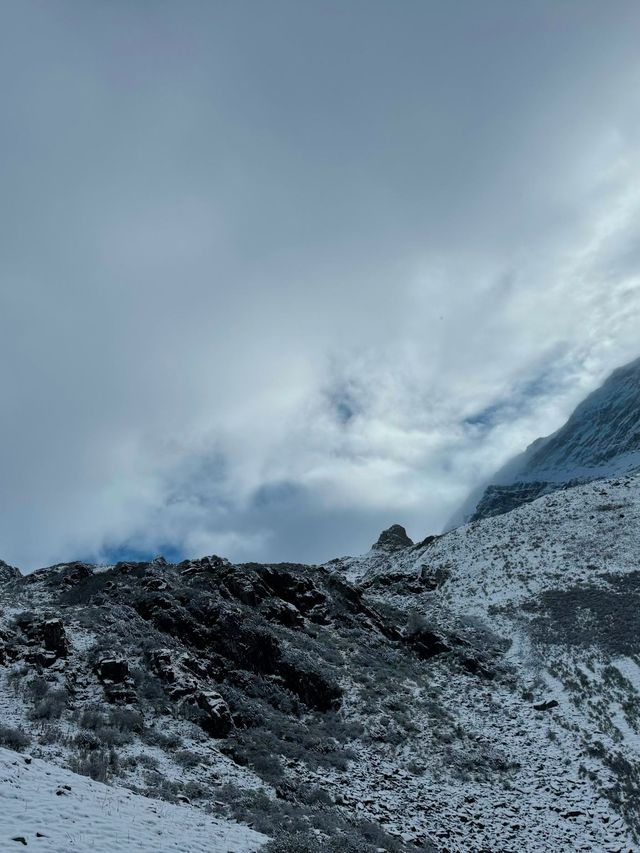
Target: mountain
600, 439
477, 691
474, 692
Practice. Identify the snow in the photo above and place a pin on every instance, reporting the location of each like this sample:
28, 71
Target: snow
57, 811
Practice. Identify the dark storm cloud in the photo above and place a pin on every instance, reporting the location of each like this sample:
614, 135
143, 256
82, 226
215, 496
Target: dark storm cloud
263, 264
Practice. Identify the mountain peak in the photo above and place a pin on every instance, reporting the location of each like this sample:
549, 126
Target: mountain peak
394, 538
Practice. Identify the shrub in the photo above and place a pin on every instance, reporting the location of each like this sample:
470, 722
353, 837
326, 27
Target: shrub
14, 738
126, 720
99, 765
169, 742
50, 706
187, 759
37, 688
111, 726
294, 842
148, 761
149, 687
51, 734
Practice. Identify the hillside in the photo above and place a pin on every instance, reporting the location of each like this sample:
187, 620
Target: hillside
476, 692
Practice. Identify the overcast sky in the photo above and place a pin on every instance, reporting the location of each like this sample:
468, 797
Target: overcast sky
275, 275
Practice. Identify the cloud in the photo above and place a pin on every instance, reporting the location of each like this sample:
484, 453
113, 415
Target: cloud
275, 278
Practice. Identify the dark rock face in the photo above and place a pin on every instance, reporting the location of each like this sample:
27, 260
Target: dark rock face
297, 589
394, 538
225, 646
284, 613
113, 669
63, 575
54, 637
427, 643
497, 500
260, 657
41, 643
215, 621
118, 685
203, 565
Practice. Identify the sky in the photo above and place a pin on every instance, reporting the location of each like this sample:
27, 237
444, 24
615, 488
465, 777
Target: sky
276, 275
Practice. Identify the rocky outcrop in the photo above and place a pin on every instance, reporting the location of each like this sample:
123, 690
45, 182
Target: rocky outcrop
114, 670
41, 642
118, 684
55, 638
427, 643
7, 572
203, 565
210, 711
394, 538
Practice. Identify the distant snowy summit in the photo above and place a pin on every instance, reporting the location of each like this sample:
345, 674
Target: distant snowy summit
600, 439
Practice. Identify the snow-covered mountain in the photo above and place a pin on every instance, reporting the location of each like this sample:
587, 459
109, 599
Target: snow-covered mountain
600, 439
475, 692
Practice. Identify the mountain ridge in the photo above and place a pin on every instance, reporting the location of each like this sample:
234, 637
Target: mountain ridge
600, 439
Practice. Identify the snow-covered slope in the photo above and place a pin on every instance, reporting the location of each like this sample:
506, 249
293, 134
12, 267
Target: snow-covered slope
574, 536
559, 580
52, 810
600, 439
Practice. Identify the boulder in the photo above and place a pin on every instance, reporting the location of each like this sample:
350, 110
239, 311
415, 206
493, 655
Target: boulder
41, 657
155, 584
215, 716
118, 685
162, 661
114, 670
121, 694
246, 588
179, 684
546, 706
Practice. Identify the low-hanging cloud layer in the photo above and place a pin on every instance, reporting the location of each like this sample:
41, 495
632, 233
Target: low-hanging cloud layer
274, 276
